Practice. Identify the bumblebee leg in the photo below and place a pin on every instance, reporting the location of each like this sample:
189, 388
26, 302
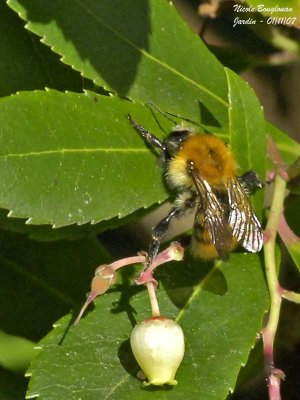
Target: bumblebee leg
159, 232
183, 203
149, 137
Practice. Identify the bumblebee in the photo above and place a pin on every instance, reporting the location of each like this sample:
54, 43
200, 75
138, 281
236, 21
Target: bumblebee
202, 171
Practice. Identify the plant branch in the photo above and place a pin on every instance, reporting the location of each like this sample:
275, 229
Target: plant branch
291, 296
269, 332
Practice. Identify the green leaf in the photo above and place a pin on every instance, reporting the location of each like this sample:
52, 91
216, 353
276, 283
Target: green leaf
294, 177
74, 158
246, 124
46, 170
289, 148
40, 282
289, 228
12, 386
237, 59
26, 64
15, 352
141, 50
293, 248
247, 129
46, 233
254, 366
222, 316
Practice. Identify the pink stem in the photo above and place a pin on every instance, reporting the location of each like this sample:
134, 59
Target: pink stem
127, 261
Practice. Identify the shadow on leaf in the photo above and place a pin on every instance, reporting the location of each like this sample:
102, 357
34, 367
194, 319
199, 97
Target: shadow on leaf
181, 279
94, 29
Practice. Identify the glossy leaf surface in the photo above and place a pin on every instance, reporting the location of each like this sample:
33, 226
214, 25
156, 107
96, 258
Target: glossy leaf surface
74, 159
247, 129
220, 310
140, 66
25, 63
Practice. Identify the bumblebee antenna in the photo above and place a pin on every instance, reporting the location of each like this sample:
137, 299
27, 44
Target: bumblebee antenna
166, 115
148, 136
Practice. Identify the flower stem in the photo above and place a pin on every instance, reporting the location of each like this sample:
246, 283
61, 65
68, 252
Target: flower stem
153, 299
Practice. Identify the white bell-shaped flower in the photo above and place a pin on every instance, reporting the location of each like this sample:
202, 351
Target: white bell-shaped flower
158, 346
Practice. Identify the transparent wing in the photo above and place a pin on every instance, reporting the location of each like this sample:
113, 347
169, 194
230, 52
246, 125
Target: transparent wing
245, 226
213, 216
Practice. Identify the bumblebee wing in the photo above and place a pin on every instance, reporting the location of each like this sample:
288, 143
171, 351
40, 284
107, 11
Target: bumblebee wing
245, 226
212, 216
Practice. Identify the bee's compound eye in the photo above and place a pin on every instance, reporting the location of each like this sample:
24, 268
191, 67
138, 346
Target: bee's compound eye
178, 136
175, 140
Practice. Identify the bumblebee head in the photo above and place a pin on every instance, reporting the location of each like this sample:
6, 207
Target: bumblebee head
175, 139
168, 147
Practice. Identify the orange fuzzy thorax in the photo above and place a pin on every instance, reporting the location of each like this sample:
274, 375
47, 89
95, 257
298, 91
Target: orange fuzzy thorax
212, 159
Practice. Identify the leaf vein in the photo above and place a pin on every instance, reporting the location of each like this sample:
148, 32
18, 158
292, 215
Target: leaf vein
197, 290
79, 150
